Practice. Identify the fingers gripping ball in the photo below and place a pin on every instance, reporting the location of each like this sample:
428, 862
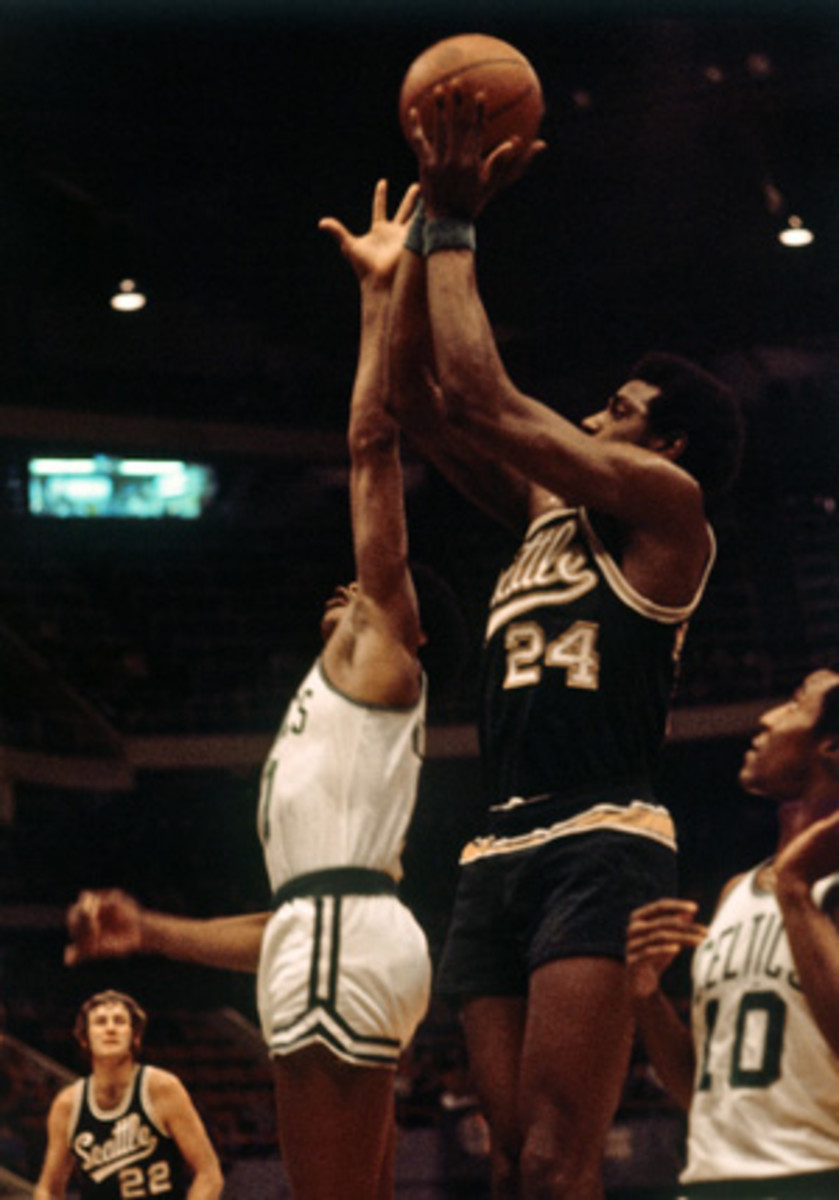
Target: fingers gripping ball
479, 63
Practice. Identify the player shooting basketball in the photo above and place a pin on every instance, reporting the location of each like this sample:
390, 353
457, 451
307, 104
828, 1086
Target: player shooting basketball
580, 652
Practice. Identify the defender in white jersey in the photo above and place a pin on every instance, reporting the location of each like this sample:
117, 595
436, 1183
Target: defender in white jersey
343, 967
343, 963
760, 1075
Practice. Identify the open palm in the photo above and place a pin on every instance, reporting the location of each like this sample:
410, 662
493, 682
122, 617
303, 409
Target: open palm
376, 252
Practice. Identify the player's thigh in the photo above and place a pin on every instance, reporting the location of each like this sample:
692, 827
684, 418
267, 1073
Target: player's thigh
494, 1030
577, 1044
335, 1124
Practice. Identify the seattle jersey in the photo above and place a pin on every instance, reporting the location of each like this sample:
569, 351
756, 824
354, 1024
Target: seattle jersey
122, 1152
339, 785
579, 668
766, 1096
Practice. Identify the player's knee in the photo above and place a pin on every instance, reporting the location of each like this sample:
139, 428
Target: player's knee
544, 1177
505, 1173
557, 1165
505, 1152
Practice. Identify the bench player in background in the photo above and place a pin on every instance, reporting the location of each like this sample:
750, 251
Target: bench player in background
129, 1130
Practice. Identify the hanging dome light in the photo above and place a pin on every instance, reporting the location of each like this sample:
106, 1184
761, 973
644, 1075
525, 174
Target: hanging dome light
128, 298
795, 233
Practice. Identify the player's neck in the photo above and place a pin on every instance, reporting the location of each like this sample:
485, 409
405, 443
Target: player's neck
766, 877
111, 1080
797, 814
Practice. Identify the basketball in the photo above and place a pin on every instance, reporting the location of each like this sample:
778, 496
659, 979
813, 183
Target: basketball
479, 63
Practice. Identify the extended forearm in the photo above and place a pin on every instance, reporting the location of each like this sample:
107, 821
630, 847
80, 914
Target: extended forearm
469, 366
423, 411
669, 1045
231, 943
814, 942
367, 407
412, 392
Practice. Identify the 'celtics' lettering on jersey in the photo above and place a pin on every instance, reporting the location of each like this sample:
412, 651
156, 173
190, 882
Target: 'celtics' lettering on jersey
123, 1155
579, 667
753, 949
766, 1100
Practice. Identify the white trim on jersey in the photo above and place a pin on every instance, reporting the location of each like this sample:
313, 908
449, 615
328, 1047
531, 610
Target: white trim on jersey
623, 589
113, 1114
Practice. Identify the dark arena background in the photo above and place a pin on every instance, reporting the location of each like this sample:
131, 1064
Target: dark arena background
173, 479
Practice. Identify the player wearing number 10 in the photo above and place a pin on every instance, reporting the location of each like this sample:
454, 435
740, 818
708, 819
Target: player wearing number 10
130, 1131
760, 1075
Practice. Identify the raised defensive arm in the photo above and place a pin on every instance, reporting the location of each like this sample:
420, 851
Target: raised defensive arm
380, 539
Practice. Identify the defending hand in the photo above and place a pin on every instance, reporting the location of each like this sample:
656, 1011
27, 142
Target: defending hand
656, 933
103, 924
376, 252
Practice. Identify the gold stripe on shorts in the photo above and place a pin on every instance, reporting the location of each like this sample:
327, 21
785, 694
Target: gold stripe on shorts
638, 819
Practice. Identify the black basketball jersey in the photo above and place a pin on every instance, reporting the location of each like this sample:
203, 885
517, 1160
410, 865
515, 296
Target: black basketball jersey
578, 668
122, 1153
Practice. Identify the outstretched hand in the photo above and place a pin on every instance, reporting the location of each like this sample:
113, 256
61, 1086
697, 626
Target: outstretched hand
103, 924
456, 177
376, 252
656, 933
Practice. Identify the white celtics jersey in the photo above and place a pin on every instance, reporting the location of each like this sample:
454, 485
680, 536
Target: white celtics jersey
339, 786
766, 1099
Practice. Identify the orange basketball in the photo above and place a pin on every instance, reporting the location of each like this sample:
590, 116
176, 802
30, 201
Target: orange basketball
513, 93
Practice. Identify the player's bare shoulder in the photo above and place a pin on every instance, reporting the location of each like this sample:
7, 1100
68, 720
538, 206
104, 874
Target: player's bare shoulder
163, 1085
62, 1112
66, 1100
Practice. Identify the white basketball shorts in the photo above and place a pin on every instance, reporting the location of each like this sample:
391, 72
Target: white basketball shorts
352, 972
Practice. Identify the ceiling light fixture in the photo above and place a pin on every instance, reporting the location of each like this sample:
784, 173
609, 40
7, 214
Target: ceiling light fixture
795, 233
127, 298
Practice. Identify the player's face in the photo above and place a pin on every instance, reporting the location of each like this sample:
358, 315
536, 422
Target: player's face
783, 755
109, 1031
626, 415
338, 603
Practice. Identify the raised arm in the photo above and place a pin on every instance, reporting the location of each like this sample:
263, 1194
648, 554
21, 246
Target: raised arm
627, 481
419, 404
812, 931
111, 924
373, 652
657, 932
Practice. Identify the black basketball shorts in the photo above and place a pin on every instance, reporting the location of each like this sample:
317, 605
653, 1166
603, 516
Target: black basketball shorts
516, 911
